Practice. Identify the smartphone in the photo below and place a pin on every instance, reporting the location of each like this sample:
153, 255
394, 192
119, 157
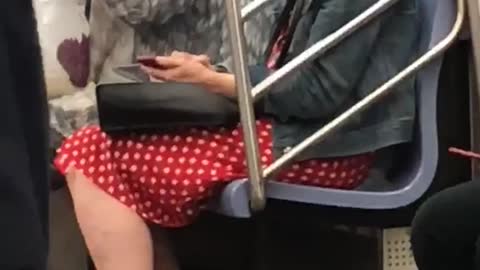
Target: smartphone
132, 72
149, 61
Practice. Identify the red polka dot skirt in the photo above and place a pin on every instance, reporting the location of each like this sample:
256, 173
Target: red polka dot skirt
168, 178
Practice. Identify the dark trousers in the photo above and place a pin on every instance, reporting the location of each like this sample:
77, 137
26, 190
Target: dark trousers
23, 142
446, 230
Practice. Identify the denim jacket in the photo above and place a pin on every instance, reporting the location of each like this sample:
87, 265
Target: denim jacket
321, 90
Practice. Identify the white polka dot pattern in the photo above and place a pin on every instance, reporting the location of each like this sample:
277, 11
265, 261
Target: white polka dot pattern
169, 178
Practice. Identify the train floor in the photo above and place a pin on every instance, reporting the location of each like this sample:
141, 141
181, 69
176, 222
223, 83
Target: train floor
218, 243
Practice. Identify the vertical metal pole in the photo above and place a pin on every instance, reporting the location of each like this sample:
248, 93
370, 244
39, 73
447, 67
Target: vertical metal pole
380, 237
245, 101
474, 19
474, 103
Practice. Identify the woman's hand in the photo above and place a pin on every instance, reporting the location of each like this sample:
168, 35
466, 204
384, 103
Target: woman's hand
201, 58
179, 68
194, 69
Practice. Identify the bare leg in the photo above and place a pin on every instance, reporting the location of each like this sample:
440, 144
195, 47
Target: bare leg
117, 237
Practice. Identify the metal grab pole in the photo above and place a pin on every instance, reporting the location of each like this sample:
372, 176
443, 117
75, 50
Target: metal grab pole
323, 46
374, 96
251, 9
245, 102
474, 20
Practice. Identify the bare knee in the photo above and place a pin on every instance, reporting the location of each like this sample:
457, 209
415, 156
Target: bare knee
73, 175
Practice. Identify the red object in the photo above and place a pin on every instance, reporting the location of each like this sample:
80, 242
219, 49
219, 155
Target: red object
464, 153
169, 178
278, 46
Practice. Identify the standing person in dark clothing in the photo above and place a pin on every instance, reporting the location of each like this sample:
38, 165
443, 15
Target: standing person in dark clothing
446, 230
23, 142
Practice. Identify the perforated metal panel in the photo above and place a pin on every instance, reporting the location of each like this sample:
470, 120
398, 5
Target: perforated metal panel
397, 253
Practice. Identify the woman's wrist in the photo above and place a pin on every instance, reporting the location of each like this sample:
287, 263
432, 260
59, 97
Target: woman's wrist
219, 83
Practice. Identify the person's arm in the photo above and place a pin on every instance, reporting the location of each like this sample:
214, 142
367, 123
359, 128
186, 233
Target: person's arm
319, 89
196, 69
220, 83
224, 83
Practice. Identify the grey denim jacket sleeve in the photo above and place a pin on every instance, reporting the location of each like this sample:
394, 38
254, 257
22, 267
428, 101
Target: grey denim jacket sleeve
329, 85
318, 89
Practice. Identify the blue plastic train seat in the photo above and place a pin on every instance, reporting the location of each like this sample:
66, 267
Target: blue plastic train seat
437, 18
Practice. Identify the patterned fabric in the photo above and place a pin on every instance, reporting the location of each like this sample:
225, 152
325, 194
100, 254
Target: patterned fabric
169, 178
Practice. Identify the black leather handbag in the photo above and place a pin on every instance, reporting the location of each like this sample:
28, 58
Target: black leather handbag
145, 107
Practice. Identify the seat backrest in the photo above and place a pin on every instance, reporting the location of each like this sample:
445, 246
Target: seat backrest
437, 20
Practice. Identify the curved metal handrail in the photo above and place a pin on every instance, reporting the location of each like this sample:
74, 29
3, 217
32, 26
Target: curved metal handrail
323, 46
251, 9
257, 193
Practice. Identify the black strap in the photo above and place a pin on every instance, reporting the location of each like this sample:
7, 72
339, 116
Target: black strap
88, 8
290, 16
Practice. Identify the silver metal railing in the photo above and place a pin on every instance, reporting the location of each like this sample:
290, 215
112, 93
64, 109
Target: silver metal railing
323, 45
245, 103
474, 18
246, 95
251, 9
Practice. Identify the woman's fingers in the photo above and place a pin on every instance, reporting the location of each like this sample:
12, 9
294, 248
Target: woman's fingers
157, 74
169, 62
203, 58
179, 67
179, 54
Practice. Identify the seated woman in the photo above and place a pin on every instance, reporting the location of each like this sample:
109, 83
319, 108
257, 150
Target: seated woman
118, 183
